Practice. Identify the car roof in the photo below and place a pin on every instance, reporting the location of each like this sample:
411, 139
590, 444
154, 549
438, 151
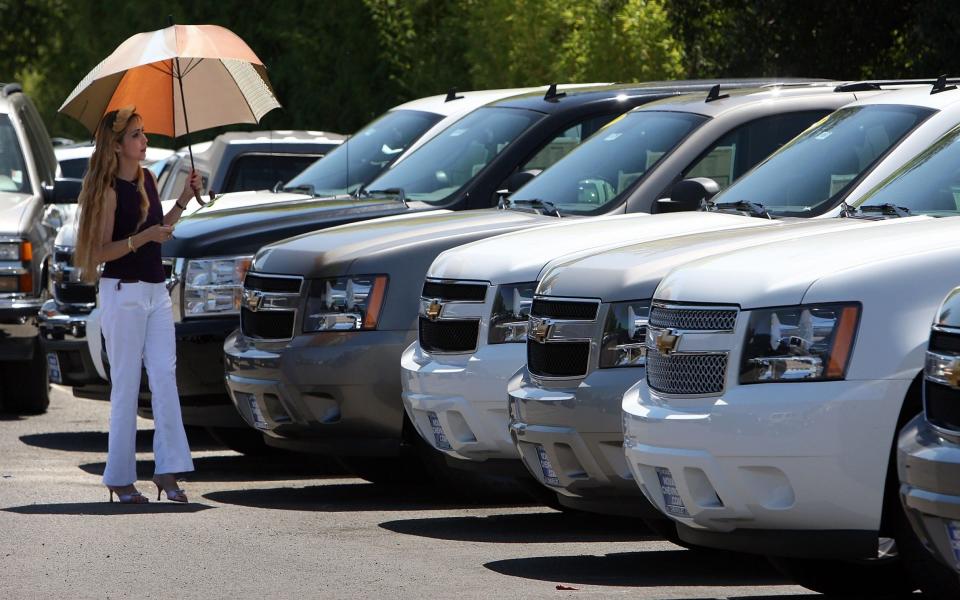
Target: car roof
918, 95
464, 102
735, 99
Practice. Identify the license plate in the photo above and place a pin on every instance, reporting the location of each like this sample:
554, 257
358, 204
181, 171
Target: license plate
671, 498
438, 435
953, 530
54, 372
549, 475
259, 421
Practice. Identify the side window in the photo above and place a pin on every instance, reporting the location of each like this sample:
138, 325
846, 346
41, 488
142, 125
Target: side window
567, 140
179, 179
740, 149
41, 148
263, 171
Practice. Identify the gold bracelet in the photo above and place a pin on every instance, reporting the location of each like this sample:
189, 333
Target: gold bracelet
130, 244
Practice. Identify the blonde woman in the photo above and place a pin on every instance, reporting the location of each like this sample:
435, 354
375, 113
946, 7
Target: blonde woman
122, 226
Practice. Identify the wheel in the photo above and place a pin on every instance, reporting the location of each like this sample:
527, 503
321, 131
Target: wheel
32, 395
245, 441
393, 470
883, 577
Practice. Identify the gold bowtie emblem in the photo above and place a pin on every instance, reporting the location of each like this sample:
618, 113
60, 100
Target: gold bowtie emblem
952, 375
541, 330
667, 342
434, 310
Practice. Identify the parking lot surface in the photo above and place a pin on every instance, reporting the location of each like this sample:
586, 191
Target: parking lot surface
294, 527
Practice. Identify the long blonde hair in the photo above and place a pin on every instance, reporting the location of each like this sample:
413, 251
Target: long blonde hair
100, 175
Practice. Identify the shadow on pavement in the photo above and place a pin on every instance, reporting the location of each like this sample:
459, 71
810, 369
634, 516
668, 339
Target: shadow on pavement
96, 441
106, 508
540, 527
342, 497
645, 569
237, 467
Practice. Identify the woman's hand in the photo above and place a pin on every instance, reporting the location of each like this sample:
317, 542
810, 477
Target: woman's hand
156, 233
192, 187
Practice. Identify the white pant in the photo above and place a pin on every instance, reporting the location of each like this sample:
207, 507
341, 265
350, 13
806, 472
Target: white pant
137, 324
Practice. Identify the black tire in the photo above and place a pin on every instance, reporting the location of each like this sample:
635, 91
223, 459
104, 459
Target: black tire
248, 442
393, 470
878, 578
32, 395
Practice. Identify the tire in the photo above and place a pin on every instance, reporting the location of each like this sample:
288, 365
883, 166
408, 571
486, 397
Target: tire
32, 396
245, 441
393, 471
879, 578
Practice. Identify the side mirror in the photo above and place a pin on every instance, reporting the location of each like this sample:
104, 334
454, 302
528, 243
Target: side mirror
688, 194
520, 179
63, 191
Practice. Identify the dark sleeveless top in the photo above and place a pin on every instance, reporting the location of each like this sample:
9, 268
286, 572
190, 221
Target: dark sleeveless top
145, 263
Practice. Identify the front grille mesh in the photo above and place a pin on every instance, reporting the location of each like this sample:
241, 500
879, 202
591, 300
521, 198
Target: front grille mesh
265, 283
267, 325
462, 292
449, 335
75, 293
567, 359
564, 309
942, 405
943, 341
686, 373
693, 319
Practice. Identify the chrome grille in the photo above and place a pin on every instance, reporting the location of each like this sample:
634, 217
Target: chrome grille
690, 374
460, 292
564, 309
693, 319
449, 335
565, 359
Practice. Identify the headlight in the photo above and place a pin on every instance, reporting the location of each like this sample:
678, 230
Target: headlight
345, 303
624, 335
9, 251
799, 343
511, 308
214, 286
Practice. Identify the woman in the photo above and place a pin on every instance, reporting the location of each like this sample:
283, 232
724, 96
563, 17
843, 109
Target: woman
122, 226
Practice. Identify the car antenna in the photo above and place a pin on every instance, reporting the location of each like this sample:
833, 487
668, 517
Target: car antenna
552, 94
452, 95
714, 94
941, 85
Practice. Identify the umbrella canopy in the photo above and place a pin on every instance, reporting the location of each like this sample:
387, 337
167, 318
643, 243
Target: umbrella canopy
182, 78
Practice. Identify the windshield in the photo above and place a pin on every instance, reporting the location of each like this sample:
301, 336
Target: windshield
813, 172
446, 163
13, 173
366, 154
607, 164
929, 184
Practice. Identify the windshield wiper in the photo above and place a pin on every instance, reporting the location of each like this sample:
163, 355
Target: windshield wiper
742, 207
306, 188
878, 211
543, 206
397, 192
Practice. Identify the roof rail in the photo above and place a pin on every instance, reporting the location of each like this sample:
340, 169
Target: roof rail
941, 86
452, 95
876, 84
11, 88
552, 93
714, 94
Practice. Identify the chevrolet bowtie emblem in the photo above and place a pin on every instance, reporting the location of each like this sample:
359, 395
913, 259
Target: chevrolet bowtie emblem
252, 299
434, 309
540, 330
667, 342
952, 375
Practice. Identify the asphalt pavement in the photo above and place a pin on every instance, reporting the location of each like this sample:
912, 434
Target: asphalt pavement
296, 527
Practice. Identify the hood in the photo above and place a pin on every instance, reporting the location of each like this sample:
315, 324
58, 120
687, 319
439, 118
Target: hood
243, 222
14, 208
633, 272
521, 256
376, 246
784, 273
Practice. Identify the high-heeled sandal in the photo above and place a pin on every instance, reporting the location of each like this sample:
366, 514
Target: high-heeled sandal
173, 495
134, 497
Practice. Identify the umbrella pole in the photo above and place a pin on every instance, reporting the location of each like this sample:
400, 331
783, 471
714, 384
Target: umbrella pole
186, 124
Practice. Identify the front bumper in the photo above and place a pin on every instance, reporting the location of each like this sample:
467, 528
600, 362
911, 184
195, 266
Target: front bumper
467, 396
578, 430
63, 339
809, 458
929, 468
334, 393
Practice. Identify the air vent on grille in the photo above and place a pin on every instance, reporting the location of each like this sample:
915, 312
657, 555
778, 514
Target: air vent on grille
75, 293
463, 292
267, 325
568, 359
942, 341
943, 406
449, 336
564, 309
63, 256
289, 285
694, 319
686, 373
